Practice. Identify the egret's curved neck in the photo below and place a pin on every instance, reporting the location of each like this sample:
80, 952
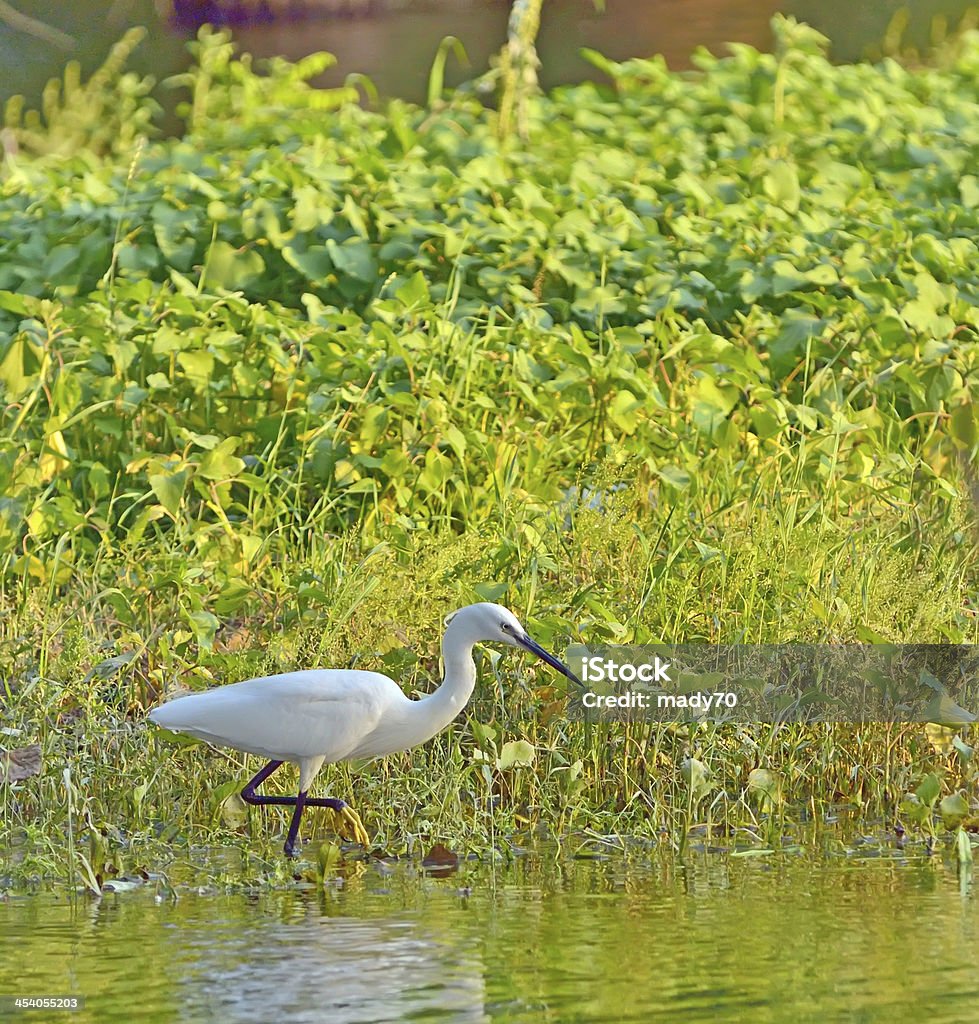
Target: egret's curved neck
433, 713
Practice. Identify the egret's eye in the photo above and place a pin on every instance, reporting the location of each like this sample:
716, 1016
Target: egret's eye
505, 626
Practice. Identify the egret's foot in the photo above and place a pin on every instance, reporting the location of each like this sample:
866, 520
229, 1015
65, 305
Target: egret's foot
348, 825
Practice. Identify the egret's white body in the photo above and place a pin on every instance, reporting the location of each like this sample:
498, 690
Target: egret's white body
312, 718
321, 716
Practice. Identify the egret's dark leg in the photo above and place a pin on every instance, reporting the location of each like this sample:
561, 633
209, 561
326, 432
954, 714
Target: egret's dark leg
249, 795
290, 847
300, 802
324, 801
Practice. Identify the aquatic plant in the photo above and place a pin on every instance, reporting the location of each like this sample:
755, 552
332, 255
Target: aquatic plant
694, 362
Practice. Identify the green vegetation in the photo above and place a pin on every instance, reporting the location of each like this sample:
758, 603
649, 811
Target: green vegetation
693, 360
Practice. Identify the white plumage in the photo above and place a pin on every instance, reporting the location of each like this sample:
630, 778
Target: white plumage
326, 715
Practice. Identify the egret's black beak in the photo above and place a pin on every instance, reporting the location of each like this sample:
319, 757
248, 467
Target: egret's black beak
535, 648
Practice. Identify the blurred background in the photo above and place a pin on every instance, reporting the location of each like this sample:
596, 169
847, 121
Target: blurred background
395, 41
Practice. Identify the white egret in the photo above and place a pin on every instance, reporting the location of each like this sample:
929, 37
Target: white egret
322, 716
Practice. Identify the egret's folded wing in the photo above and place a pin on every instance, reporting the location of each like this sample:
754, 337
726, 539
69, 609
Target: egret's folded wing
287, 717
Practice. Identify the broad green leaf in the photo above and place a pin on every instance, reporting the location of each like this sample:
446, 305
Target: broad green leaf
675, 477
199, 366
314, 262
169, 489
204, 625
953, 809
354, 258
414, 291
516, 753
697, 778
963, 425
944, 711
969, 190
763, 787
781, 185
220, 463
18, 304
963, 847
624, 411
929, 789
233, 268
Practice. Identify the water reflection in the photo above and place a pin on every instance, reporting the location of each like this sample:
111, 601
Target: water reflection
624, 939
325, 968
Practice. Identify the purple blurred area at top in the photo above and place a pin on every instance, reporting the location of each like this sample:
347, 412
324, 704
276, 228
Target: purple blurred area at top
191, 14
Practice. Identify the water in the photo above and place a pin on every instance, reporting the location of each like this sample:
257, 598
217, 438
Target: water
396, 46
718, 938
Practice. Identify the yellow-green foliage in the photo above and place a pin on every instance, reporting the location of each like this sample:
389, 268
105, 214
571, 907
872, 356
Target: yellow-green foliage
695, 362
